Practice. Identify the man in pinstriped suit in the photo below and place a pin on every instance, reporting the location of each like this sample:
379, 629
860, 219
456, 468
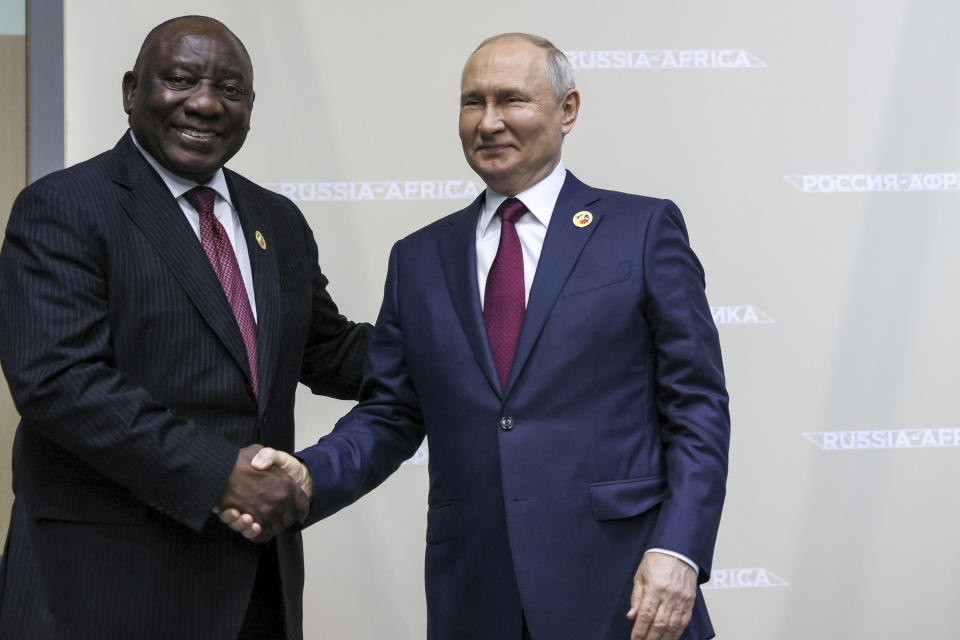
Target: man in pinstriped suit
139, 402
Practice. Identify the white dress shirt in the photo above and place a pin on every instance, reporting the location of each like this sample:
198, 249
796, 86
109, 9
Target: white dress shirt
540, 200
531, 227
223, 210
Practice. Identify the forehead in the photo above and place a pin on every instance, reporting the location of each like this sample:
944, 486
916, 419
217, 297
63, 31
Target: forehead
505, 64
205, 46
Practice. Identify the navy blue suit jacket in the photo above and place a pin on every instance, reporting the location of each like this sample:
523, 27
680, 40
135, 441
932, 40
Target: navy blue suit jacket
611, 436
126, 364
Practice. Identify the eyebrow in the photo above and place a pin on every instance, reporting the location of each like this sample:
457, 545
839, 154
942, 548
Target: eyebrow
498, 93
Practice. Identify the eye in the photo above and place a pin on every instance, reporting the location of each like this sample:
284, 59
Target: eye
178, 81
232, 91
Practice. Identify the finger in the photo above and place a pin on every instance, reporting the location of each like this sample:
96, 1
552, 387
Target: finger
646, 613
251, 532
635, 598
660, 628
264, 459
236, 520
242, 523
286, 462
679, 618
227, 516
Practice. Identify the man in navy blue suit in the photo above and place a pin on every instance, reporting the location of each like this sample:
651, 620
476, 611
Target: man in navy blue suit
158, 312
554, 343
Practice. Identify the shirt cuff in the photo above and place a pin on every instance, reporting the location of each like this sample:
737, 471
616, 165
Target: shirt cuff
679, 556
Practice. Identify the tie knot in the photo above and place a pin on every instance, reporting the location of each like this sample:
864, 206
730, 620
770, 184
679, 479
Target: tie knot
201, 199
511, 209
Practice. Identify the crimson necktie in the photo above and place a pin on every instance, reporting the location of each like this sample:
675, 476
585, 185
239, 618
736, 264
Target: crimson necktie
217, 246
503, 297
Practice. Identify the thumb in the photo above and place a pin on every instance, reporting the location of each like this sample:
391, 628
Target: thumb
264, 459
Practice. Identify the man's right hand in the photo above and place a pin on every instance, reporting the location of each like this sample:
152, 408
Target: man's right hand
269, 461
263, 499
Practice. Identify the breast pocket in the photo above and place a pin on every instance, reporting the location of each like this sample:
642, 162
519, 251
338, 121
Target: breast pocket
597, 279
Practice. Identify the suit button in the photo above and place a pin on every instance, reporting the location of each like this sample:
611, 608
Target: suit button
506, 423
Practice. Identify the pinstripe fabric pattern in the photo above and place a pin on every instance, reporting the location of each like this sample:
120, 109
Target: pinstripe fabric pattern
129, 371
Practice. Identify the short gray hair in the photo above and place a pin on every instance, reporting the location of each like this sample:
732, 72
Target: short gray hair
558, 69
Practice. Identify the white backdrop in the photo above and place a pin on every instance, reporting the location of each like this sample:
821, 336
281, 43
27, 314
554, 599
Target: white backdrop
815, 151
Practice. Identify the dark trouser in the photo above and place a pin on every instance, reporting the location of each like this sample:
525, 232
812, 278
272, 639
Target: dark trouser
264, 617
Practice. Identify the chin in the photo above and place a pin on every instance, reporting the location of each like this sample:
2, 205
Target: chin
493, 172
199, 174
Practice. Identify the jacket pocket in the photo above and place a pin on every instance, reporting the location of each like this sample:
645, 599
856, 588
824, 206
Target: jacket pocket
90, 503
626, 498
596, 279
441, 523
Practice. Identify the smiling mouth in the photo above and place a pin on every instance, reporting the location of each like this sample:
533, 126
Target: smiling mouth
197, 133
493, 148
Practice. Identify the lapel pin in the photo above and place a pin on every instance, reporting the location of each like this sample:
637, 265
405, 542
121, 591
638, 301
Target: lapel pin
261, 241
582, 218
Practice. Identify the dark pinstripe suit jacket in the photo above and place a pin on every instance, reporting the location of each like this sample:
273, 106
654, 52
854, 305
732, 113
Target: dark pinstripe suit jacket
129, 372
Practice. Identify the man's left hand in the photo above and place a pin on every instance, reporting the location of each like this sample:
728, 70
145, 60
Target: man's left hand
664, 590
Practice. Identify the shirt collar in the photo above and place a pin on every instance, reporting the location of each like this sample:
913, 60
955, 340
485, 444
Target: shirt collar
179, 186
539, 199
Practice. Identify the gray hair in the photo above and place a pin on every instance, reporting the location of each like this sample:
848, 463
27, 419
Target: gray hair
558, 69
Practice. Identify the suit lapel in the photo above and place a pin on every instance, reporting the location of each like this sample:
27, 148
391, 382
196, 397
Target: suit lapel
254, 217
458, 254
561, 250
146, 199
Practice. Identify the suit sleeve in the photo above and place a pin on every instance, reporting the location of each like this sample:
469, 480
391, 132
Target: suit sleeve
370, 442
691, 394
56, 352
336, 348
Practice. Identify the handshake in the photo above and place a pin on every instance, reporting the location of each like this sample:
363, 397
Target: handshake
267, 492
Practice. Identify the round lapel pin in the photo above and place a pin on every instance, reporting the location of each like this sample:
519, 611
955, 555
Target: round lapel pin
261, 241
582, 218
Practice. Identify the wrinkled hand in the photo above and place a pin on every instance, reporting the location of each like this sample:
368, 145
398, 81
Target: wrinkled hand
269, 499
664, 590
270, 460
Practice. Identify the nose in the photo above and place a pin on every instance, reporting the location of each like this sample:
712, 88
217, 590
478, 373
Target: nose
490, 121
204, 100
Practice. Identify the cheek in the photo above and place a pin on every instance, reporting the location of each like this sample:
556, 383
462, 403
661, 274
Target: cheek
240, 118
464, 128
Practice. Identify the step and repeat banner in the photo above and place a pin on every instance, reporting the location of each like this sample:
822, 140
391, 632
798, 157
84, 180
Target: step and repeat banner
814, 149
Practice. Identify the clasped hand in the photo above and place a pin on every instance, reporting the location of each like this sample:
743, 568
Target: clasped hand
268, 491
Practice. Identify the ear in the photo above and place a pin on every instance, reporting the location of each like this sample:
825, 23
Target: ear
569, 108
129, 89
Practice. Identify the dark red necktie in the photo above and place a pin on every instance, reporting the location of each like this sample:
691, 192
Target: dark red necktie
217, 246
503, 297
